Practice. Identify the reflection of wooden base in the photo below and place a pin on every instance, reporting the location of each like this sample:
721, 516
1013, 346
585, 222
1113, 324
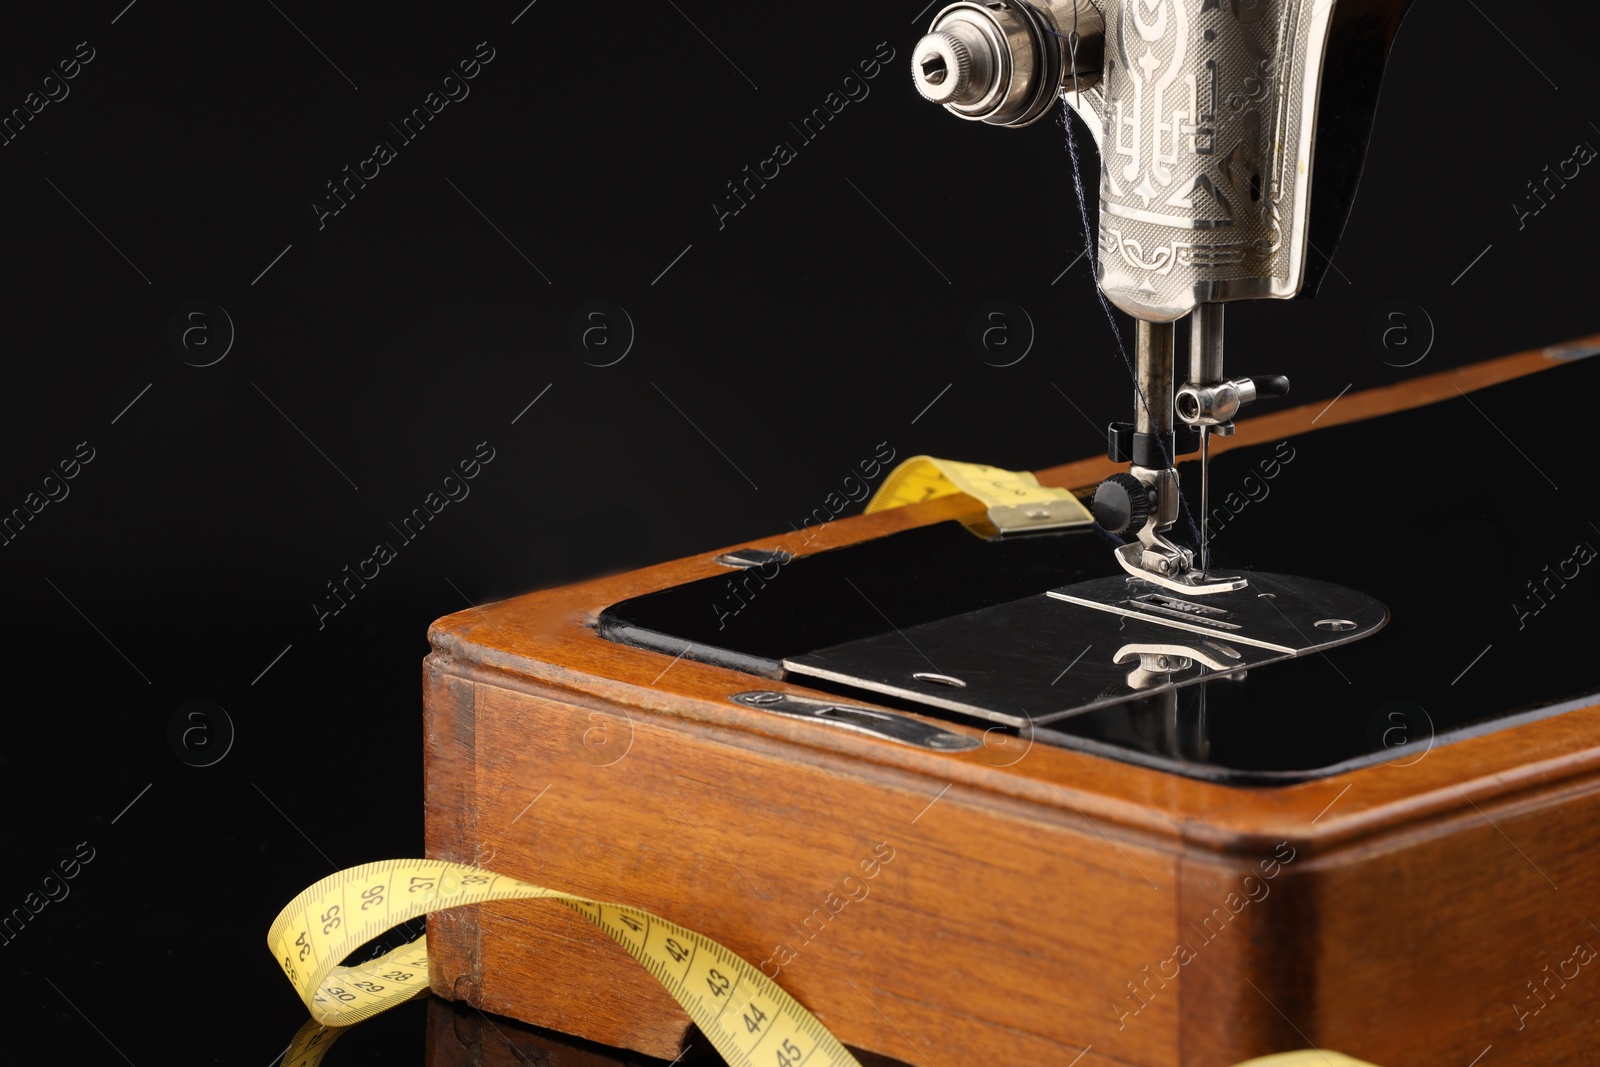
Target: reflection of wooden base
1035, 902
460, 1036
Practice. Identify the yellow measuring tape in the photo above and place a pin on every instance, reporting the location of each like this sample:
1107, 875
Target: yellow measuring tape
739, 1009
1015, 500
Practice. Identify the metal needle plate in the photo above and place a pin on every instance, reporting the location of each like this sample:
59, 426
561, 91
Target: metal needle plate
1273, 611
1045, 657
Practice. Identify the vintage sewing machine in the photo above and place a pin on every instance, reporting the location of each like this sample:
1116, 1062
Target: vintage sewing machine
1135, 812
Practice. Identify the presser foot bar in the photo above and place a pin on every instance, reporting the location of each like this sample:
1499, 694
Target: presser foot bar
1045, 657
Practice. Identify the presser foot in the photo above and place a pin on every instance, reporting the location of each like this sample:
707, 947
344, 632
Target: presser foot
1180, 577
1146, 499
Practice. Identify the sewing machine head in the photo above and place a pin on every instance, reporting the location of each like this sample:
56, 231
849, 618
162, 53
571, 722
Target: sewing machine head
1206, 115
1210, 109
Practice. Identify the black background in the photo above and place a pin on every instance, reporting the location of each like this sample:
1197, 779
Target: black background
772, 354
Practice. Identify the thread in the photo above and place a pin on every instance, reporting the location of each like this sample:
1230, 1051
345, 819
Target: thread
1091, 248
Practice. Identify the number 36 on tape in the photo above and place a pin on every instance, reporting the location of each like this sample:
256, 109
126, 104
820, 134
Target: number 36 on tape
742, 1012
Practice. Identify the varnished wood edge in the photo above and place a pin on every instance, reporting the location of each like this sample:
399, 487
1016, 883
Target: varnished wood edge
1075, 805
1276, 425
450, 808
1219, 819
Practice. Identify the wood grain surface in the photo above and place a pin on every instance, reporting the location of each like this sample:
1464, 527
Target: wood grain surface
1039, 901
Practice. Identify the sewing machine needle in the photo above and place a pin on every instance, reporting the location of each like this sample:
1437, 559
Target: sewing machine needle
1205, 499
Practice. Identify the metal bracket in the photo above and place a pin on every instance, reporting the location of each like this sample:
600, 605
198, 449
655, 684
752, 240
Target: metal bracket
884, 724
747, 558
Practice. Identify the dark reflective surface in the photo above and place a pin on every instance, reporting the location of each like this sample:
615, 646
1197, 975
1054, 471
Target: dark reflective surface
461, 1036
1443, 513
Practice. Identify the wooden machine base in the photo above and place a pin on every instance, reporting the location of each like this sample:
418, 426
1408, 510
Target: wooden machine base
1002, 906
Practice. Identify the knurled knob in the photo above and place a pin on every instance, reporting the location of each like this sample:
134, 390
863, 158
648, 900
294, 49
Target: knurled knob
1122, 504
941, 65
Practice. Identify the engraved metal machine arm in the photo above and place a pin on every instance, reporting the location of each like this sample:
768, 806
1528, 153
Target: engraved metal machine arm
1205, 113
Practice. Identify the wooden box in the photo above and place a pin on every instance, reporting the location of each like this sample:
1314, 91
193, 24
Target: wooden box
1003, 905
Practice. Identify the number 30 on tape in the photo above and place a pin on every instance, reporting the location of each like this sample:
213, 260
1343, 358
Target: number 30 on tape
742, 1012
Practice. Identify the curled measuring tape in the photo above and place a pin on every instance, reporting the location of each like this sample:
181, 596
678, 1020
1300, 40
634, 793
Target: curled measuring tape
1015, 500
741, 1011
